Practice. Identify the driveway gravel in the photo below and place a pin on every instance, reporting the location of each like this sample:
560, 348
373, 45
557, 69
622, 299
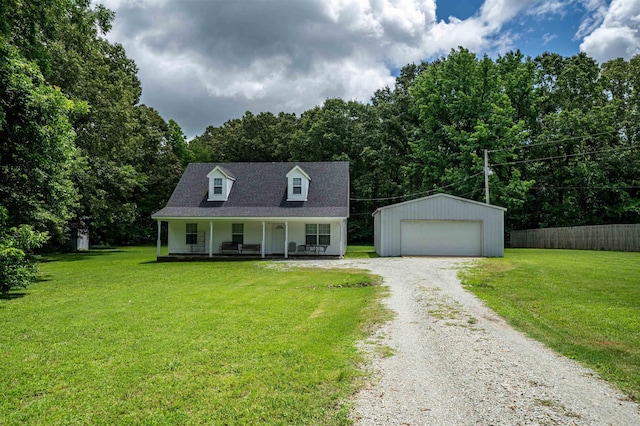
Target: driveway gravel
455, 362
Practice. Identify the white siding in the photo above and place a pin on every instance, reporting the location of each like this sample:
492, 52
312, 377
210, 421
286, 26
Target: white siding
297, 173
377, 232
387, 221
226, 186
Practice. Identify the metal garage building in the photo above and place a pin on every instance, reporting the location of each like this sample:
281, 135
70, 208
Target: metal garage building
439, 225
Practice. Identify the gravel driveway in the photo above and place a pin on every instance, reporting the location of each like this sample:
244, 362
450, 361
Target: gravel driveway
455, 362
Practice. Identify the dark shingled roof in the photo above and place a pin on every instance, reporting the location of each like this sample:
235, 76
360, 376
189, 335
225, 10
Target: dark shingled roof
260, 190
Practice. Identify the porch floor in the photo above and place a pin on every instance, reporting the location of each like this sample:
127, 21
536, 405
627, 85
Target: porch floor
204, 257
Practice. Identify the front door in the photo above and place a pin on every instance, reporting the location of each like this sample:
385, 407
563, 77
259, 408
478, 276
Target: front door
277, 238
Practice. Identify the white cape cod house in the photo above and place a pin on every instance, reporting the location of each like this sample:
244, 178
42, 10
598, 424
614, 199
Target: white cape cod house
259, 209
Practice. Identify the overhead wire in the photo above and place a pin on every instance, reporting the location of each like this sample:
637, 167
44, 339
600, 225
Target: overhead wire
530, 160
586, 187
417, 193
617, 149
551, 142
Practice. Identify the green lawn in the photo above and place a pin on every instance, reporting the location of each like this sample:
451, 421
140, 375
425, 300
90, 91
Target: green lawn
112, 337
359, 252
584, 304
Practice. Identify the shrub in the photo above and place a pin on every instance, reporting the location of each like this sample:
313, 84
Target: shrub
18, 266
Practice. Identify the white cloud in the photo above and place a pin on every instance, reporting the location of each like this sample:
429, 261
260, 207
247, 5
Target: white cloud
618, 35
547, 37
230, 57
496, 12
596, 12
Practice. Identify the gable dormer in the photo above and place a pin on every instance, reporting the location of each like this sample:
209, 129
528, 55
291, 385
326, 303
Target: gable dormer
297, 184
220, 183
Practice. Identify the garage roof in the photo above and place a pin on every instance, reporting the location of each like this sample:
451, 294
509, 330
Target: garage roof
431, 197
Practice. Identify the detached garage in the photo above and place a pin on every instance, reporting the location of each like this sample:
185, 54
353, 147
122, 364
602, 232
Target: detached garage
439, 225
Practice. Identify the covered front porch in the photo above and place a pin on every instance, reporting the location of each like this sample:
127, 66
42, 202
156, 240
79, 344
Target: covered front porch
250, 238
232, 258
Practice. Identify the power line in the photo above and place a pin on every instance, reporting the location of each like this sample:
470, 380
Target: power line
465, 195
585, 187
510, 163
417, 193
552, 142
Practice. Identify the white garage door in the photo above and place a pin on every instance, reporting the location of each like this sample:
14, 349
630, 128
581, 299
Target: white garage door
440, 238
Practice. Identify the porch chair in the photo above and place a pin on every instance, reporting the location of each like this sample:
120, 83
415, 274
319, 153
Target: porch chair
292, 247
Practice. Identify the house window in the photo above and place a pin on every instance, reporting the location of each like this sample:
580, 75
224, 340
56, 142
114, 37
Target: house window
217, 185
192, 233
237, 233
324, 234
318, 234
297, 186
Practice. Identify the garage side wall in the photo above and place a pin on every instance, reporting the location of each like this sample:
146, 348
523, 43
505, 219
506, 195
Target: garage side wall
377, 233
440, 208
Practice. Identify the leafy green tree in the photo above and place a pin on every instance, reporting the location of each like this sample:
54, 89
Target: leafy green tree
158, 169
577, 141
37, 28
64, 38
208, 147
106, 79
464, 109
38, 155
178, 144
250, 138
621, 82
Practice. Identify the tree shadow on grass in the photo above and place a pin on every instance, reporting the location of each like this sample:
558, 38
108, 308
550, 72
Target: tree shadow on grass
44, 278
77, 256
12, 296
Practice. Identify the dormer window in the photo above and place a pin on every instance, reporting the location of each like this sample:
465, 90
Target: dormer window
217, 186
297, 184
220, 183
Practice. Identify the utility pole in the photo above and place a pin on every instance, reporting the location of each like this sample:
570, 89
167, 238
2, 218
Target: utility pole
487, 173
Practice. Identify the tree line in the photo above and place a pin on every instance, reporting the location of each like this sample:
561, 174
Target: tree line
80, 151
77, 149
562, 135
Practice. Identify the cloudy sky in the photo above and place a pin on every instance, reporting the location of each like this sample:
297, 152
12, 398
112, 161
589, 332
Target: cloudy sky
203, 62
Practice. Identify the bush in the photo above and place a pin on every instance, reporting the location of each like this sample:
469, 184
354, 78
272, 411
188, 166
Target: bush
18, 266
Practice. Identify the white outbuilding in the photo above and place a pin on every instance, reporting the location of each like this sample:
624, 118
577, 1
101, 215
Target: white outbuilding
439, 225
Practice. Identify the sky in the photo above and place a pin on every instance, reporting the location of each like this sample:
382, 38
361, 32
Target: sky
204, 62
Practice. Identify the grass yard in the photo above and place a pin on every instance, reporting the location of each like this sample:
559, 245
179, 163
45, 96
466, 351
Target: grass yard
583, 304
359, 252
112, 337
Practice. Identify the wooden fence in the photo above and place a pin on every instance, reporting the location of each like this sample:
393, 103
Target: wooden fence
597, 237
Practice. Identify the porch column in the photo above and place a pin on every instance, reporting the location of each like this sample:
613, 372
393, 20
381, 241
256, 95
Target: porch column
262, 249
341, 238
286, 240
159, 242
210, 238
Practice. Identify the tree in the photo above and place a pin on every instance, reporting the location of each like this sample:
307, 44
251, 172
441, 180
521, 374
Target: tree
464, 109
179, 145
577, 140
37, 155
158, 169
37, 28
